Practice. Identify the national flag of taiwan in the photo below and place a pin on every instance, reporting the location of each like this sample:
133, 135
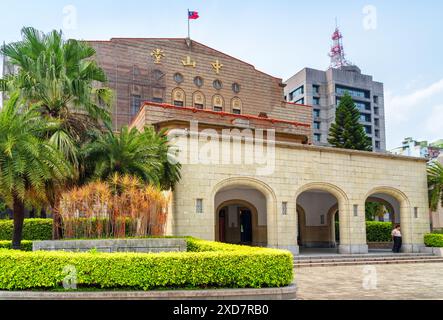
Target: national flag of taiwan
193, 15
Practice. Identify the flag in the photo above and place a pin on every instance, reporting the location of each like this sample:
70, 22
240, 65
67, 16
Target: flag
193, 15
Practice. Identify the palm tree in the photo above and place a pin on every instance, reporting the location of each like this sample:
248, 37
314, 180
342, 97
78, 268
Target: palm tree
27, 160
144, 154
61, 78
435, 184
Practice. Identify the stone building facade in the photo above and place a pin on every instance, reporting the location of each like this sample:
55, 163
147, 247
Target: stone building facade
265, 183
187, 73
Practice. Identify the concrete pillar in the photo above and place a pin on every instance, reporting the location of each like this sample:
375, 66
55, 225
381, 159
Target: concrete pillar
352, 228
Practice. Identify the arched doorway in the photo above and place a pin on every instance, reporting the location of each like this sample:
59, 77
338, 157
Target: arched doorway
317, 211
384, 205
238, 223
241, 214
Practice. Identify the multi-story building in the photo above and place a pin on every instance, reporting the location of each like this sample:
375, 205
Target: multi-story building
423, 149
324, 89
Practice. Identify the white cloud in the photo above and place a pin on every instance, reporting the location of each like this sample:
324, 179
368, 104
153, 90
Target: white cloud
418, 114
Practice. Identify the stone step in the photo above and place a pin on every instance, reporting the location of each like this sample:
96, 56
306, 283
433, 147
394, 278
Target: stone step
366, 262
363, 256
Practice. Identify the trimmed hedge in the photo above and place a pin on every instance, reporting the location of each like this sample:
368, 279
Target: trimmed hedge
378, 231
434, 240
207, 264
33, 229
26, 245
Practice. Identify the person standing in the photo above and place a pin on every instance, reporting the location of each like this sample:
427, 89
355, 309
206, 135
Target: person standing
396, 237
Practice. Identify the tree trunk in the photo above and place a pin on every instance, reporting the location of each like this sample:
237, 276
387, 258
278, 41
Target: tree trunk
57, 220
43, 213
19, 217
32, 213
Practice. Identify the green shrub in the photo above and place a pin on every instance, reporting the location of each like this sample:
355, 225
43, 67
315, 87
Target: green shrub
26, 245
208, 264
378, 231
33, 229
434, 240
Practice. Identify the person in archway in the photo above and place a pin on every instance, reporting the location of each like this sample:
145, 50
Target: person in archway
396, 237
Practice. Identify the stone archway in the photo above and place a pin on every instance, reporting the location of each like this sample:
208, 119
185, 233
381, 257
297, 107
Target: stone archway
352, 228
231, 230
247, 183
404, 216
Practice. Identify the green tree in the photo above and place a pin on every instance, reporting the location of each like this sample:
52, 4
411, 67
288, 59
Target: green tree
67, 85
347, 132
435, 184
145, 155
27, 160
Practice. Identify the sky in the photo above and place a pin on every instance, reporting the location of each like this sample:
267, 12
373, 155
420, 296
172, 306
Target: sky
399, 43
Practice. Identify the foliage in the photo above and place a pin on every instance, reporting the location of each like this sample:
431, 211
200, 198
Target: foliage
434, 240
347, 132
28, 162
110, 207
33, 229
26, 245
219, 266
145, 155
435, 184
378, 231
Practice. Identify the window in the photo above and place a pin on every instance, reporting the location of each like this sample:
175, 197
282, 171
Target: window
178, 97
377, 144
136, 101
322, 219
236, 87
236, 105
217, 84
368, 129
317, 125
355, 210
365, 117
316, 89
316, 113
198, 100
317, 137
316, 101
375, 99
300, 101
297, 92
157, 100
199, 206
284, 208
198, 81
358, 93
377, 122
178, 78
178, 103
377, 133
217, 103
362, 106
415, 212
376, 110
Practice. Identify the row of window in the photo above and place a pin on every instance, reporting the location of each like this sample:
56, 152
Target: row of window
357, 93
198, 101
198, 81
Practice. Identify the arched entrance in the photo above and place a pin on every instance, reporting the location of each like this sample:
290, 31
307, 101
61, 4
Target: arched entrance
317, 211
386, 204
238, 223
325, 222
241, 215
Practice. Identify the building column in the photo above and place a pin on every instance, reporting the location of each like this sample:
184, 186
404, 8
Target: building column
352, 228
282, 229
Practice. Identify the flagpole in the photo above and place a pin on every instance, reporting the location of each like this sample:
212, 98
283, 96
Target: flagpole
189, 27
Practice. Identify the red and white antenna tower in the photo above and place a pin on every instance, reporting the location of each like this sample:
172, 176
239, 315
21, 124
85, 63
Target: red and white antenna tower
337, 53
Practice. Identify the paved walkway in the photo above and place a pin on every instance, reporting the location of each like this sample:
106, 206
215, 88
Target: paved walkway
397, 281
